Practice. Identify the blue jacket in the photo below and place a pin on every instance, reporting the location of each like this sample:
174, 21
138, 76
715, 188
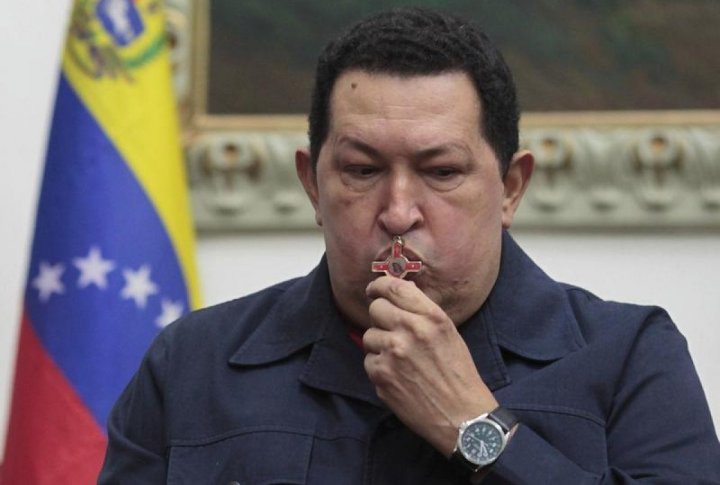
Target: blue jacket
270, 389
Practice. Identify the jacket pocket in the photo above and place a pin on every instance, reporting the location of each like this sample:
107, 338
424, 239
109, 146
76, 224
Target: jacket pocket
579, 435
247, 457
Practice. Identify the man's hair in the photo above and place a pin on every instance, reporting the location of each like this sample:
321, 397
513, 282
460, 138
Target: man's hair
415, 41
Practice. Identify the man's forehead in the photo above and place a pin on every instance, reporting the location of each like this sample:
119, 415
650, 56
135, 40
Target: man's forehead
353, 79
390, 96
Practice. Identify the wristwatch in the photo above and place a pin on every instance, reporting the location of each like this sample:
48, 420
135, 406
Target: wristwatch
482, 439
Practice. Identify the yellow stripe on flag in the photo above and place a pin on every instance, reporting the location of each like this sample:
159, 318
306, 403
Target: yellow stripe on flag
128, 90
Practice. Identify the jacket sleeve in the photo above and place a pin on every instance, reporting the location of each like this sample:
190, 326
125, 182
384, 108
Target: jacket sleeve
659, 429
136, 451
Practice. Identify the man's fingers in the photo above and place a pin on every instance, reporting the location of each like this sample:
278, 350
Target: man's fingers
374, 340
401, 293
386, 315
382, 348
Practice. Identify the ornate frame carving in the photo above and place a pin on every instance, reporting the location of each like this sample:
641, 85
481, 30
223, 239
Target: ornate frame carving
594, 170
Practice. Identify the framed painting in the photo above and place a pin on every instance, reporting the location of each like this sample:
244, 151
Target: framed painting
620, 100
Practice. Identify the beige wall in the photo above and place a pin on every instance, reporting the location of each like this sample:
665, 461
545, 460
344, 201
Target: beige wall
679, 271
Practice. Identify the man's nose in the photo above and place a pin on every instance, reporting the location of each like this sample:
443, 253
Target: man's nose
401, 201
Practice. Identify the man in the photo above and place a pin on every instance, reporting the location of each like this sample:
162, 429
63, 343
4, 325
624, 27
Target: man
465, 363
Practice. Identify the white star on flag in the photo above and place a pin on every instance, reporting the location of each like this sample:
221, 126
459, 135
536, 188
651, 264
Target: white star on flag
171, 311
48, 281
93, 269
138, 285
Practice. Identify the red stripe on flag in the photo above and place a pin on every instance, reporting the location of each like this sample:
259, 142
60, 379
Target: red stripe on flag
52, 438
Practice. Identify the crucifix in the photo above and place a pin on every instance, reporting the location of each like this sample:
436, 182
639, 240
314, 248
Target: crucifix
397, 264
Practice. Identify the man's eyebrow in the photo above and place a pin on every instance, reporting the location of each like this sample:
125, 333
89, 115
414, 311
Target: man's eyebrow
419, 155
359, 145
431, 152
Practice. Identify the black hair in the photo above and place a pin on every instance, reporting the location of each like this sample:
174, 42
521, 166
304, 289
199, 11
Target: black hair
415, 41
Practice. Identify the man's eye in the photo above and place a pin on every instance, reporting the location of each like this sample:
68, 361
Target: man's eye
359, 176
444, 172
444, 178
362, 171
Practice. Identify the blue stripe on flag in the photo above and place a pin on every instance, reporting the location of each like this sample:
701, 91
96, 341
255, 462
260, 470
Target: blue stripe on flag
91, 203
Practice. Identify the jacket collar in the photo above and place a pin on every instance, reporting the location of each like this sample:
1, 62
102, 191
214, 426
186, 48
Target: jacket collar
294, 321
530, 312
526, 313
306, 315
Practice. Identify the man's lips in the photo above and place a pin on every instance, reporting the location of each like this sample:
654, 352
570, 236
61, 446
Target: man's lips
406, 251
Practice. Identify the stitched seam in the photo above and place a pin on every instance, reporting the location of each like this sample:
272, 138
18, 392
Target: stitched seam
558, 410
239, 432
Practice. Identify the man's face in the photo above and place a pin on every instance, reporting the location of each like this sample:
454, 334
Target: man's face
406, 156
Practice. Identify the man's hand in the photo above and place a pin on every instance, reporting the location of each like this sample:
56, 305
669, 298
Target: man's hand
420, 364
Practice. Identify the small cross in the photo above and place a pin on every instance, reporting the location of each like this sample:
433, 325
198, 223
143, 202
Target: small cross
396, 264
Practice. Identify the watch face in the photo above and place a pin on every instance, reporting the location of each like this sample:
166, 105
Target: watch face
481, 442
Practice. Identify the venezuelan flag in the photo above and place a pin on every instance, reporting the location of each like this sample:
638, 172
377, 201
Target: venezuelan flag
112, 256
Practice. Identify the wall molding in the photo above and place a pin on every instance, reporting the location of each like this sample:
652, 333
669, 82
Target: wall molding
643, 177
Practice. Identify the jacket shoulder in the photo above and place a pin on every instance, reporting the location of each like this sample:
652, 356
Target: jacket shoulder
230, 322
598, 318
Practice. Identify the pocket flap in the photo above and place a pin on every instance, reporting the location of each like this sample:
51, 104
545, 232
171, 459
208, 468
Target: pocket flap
258, 457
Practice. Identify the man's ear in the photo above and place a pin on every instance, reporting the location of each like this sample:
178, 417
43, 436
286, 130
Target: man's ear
516, 181
308, 178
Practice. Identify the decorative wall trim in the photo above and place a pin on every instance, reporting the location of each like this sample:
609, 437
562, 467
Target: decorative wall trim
625, 177
641, 177
602, 170
243, 180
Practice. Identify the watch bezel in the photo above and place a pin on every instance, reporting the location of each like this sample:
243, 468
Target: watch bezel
485, 420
